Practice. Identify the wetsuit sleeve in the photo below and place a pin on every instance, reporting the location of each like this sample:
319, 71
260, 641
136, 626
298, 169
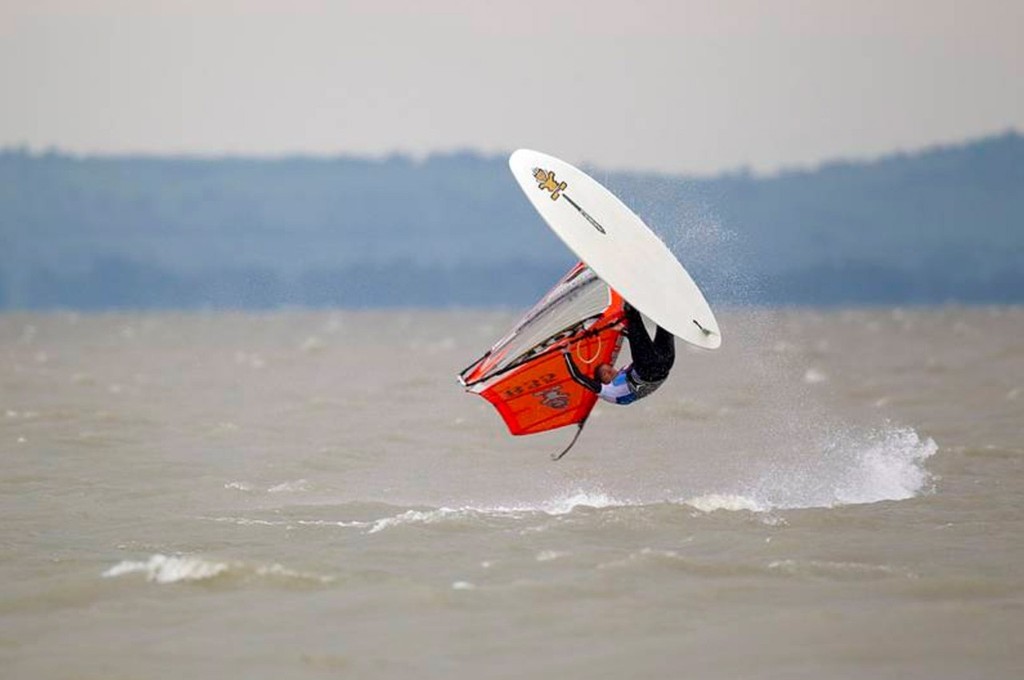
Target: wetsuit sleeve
577, 375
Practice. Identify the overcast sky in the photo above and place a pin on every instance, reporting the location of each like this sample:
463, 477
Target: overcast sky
687, 86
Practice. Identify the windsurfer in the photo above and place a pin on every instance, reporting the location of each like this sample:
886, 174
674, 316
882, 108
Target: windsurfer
652, 362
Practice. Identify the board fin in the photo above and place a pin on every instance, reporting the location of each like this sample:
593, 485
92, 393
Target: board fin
704, 330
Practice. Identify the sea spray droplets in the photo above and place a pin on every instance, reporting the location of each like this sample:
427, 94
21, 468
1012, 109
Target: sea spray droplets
853, 468
889, 468
885, 465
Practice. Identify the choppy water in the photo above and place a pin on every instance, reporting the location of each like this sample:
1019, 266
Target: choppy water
307, 495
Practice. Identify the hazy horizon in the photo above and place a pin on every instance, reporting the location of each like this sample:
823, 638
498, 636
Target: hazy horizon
269, 156
693, 88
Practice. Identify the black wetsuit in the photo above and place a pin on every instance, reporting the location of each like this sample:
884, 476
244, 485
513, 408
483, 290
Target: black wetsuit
652, 359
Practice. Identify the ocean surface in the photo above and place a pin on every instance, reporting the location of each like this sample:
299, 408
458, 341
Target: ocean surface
833, 494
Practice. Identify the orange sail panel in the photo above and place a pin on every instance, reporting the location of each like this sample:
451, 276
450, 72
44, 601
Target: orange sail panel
525, 375
541, 395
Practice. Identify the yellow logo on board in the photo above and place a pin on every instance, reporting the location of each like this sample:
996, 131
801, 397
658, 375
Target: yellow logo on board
546, 181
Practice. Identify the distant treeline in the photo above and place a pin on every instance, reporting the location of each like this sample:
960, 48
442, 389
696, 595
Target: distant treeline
115, 283
942, 225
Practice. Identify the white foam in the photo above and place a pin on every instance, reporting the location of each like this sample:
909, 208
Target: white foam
163, 569
563, 505
841, 570
814, 376
296, 486
247, 521
289, 524
730, 502
550, 555
560, 505
413, 517
277, 570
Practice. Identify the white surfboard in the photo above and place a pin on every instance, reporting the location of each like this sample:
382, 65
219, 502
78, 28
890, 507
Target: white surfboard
603, 232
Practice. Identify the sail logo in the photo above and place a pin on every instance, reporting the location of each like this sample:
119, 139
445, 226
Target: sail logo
546, 182
554, 398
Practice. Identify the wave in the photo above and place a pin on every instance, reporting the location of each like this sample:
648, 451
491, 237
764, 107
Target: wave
729, 502
560, 505
849, 571
166, 569
564, 504
295, 486
852, 469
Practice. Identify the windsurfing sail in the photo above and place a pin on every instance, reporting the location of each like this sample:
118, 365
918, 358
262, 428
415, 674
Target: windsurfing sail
525, 375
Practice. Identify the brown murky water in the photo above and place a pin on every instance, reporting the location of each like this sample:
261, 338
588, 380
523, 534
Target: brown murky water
310, 494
